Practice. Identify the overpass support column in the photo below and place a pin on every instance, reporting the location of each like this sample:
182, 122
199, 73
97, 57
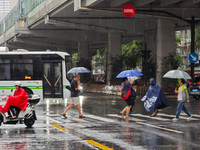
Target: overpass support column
150, 41
165, 44
114, 50
83, 51
84, 59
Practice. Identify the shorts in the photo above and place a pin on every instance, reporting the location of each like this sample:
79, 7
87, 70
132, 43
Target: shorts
74, 100
130, 102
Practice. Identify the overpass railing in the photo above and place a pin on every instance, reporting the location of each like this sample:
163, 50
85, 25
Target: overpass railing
17, 12
30, 5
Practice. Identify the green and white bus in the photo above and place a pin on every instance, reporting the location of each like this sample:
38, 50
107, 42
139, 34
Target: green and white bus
44, 73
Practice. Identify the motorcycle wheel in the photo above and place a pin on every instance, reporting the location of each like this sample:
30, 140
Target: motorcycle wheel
1, 119
29, 122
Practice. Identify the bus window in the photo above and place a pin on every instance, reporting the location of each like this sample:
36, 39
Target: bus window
22, 68
5, 69
68, 64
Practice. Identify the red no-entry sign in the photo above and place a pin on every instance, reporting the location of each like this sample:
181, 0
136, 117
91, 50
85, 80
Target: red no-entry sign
128, 10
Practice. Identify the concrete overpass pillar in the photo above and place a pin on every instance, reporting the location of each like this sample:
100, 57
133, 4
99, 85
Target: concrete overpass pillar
165, 44
83, 51
150, 41
114, 50
84, 59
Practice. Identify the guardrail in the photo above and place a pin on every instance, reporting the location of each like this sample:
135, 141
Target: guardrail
30, 5
10, 19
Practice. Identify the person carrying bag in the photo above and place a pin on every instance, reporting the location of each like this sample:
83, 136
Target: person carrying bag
127, 95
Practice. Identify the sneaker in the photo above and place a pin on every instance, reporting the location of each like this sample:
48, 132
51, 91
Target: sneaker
175, 119
188, 119
64, 115
131, 112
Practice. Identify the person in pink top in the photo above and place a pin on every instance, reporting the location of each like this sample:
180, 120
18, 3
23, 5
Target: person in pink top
182, 98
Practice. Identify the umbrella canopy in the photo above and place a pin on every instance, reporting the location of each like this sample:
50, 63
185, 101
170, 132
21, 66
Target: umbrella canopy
77, 70
177, 74
129, 73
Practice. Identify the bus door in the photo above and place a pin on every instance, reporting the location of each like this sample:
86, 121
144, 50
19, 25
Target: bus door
52, 80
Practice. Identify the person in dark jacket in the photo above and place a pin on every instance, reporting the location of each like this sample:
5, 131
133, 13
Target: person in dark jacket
74, 100
154, 98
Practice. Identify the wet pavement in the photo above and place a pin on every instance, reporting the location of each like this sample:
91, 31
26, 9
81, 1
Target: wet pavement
104, 128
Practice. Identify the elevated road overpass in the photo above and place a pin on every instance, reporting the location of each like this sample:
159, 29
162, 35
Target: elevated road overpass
84, 25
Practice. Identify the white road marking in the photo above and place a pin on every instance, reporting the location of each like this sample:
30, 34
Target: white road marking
173, 116
194, 115
118, 116
145, 116
100, 118
48, 118
78, 120
157, 127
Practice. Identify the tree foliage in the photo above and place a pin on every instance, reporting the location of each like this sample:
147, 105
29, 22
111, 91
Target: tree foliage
131, 54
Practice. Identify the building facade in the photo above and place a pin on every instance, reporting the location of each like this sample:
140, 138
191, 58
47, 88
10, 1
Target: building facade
6, 6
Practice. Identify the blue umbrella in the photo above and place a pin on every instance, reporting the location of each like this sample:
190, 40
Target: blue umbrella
77, 70
129, 73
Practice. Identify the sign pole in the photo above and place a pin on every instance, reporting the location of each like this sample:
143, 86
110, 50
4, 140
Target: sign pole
192, 44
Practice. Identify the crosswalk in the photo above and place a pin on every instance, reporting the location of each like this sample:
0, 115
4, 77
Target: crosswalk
114, 118
140, 119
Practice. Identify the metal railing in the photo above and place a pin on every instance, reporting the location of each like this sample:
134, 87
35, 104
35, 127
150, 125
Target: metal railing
30, 5
17, 12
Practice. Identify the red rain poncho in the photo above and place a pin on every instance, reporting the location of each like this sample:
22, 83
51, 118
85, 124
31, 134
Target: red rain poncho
19, 99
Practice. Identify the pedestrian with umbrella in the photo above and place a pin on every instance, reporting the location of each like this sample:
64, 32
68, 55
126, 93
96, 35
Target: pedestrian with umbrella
127, 92
182, 91
74, 100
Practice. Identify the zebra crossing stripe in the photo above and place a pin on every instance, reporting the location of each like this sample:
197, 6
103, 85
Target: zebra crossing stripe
193, 115
133, 119
157, 127
145, 116
100, 118
173, 116
48, 118
79, 120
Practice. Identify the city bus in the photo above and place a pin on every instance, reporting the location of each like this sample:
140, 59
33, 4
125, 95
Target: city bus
44, 73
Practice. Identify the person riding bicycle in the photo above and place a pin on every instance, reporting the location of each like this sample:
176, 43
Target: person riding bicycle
17, 102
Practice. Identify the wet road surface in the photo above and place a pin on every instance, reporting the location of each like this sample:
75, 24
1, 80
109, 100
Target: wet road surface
104, 128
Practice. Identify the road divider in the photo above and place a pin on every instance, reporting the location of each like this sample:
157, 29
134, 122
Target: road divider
98, 145
59, 127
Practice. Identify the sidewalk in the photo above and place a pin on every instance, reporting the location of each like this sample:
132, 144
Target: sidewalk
115, 90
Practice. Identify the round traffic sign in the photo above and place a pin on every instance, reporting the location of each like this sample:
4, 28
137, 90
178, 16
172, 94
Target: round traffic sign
193, 57
128, 10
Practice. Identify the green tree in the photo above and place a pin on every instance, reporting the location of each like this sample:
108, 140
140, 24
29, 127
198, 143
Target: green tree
131, 54
74, 59
178, 39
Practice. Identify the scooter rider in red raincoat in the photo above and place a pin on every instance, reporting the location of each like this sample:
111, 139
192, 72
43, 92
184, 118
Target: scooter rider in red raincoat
17, 102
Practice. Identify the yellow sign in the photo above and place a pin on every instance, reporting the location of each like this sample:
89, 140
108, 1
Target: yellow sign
27, 78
